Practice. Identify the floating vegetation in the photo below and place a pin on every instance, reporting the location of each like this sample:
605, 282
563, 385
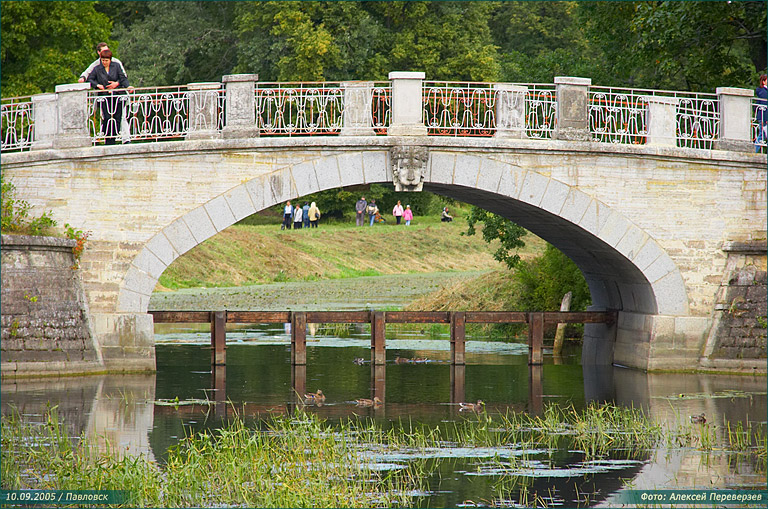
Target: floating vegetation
176, 402
729, 394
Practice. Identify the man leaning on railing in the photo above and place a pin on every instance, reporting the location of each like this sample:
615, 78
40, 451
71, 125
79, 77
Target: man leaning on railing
107, 77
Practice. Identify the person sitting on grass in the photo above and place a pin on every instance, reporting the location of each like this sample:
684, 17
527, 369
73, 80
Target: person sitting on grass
446, 218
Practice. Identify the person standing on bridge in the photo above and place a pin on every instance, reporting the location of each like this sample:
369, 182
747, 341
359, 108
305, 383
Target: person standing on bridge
360, 211
398, 212
108, 76
298, 213
99, 48
287, 216
761, 115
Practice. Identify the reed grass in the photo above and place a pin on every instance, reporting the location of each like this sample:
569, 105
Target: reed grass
296, 462
302, 460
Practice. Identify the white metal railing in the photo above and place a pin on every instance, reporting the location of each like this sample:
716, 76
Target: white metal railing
760, 124
618, 115
154, 113
459, 109
381, 107
292, 109
469, 109
698, 120
17, 125
540, 110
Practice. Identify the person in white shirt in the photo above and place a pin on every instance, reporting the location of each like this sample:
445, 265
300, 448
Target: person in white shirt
99, 48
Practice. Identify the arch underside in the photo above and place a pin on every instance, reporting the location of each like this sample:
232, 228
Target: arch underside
615, 283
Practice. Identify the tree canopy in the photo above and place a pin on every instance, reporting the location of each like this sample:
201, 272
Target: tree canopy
695, 46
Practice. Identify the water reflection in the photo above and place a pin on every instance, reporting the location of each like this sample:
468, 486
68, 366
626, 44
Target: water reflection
259, 380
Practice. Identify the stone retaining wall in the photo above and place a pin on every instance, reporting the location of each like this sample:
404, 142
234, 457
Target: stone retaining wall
45, 322
739, 332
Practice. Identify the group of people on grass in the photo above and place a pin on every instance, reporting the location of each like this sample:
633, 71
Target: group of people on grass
305, 216
363, 208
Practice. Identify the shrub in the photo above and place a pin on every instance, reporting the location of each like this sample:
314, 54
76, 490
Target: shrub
16, 214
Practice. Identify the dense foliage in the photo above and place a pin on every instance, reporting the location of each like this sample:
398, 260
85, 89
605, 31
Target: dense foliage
674, 45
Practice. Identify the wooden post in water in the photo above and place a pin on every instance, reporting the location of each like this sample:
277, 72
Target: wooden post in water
378, 348
565, 305
535, 337
299, 338
457, 383
458, 334
299, 380
219, 375
218, 338
379, 376
535, 390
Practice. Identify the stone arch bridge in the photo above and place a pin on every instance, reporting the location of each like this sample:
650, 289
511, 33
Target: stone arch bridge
657, 228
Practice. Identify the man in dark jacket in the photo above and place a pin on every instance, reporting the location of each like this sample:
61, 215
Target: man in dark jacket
360, 210
108, 77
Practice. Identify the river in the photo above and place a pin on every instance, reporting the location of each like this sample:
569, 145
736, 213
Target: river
129, 411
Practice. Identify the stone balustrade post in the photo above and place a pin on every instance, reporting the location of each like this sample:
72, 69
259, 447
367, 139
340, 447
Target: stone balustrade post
407, 108
735, 119
240, 121
572, 106
72, 116
44, 112
358, 117
510, 110
662, 121
203, 111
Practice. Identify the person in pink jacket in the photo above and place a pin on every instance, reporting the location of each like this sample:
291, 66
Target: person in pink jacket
398, 211
407, 215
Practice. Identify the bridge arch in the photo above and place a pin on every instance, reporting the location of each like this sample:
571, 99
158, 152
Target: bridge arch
625, 267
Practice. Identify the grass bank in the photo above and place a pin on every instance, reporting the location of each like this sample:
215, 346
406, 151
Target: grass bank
257, 254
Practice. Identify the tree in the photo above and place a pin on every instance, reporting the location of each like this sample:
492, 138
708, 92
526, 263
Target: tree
545, 279
695, 46
306, 41
45, 44
495, 227
175, 43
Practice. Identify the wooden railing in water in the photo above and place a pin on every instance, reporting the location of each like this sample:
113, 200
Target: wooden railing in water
536, 321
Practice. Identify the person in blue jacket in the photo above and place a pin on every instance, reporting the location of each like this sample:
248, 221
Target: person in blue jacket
761, 115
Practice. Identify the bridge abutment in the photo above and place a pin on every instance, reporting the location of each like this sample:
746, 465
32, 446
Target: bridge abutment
127, 340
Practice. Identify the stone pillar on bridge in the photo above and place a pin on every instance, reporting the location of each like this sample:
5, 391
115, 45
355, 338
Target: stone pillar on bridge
203, 112
572, 105
240, 121
735, 119
407, 109
510, 110
358, 117
46, 120
662, 122
72, 116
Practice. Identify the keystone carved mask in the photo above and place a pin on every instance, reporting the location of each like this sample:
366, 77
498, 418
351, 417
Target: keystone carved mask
409, 164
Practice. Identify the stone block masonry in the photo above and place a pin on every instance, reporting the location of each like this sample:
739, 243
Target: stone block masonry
44, 315
738, 337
